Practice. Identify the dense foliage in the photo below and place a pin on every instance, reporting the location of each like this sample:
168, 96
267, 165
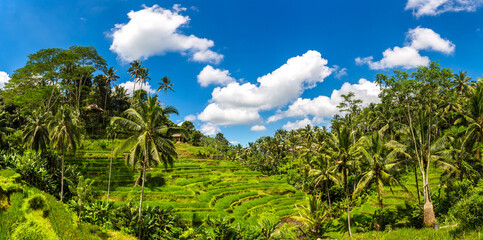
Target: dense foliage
422, 142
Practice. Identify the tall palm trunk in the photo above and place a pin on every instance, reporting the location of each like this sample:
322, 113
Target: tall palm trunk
417, 184
165, 96
142, 194
347, 203
62, 176
110, 167
328, 192
379, 194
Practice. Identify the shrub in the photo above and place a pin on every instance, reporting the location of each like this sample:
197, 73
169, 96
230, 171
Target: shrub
469, 211
33, 230
37, 202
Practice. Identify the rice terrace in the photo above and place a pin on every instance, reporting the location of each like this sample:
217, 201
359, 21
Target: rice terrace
252, 120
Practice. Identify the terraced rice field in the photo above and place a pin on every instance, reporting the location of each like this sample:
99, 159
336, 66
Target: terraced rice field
193, 187
396, 196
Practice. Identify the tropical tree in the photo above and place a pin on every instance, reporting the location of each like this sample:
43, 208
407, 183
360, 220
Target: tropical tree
150, 139
474, 116
461, 82
110, 75
324, 172
135, 70
341, 149
112, 131
381, 157
36, 133
165, 85
65, 135
315, 216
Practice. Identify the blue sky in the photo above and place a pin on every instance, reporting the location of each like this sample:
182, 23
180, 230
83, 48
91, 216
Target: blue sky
248, 68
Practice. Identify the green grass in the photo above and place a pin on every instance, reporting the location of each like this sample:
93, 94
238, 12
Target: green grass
201, 187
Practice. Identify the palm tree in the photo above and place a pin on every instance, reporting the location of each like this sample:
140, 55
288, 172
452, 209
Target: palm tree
474, 116
144, 76
314, 217
36, 131
341, 149
165, 85
324, 171
112, 131
455, 158
65, 135
111, 76
381, 158
135, 70
150, 139
4, 129
461, 82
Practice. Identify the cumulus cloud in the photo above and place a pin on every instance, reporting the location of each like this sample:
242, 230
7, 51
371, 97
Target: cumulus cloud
154, 31
209, 129
3, 78
130, 84
210, 75
218, 115
436, 7
408, 57
239, 103
258, 128
190, 118
297, 124
323, 107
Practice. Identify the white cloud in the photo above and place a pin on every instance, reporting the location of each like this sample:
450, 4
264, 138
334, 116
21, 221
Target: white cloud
209, 129
323, 107
3, 78
130, 84
210, 75
258, 128
239, 103
427, 39
234, 142
408, 57
405, 57
436, 7
297, 124
190, 118
229, 116
155, 31
341, 73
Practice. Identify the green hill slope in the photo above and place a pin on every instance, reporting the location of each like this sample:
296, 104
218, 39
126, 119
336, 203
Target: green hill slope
32, 214
193, 187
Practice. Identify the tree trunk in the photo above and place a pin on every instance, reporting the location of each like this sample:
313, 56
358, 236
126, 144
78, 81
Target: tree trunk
62, 176
429, 219
165, 96
379, 196
110, 167
328, 194
141, 199
417, 185
347, 203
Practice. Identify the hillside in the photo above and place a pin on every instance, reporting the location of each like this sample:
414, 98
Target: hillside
193, 187
33, 214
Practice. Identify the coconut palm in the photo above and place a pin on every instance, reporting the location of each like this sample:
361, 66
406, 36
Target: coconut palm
381, 158
135, 71
165, 85
36, 131
110, 75
112, 131
341, 149
150, 140
4, 129
144, 76
65, 135
324, 172
474, 116
461, 82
